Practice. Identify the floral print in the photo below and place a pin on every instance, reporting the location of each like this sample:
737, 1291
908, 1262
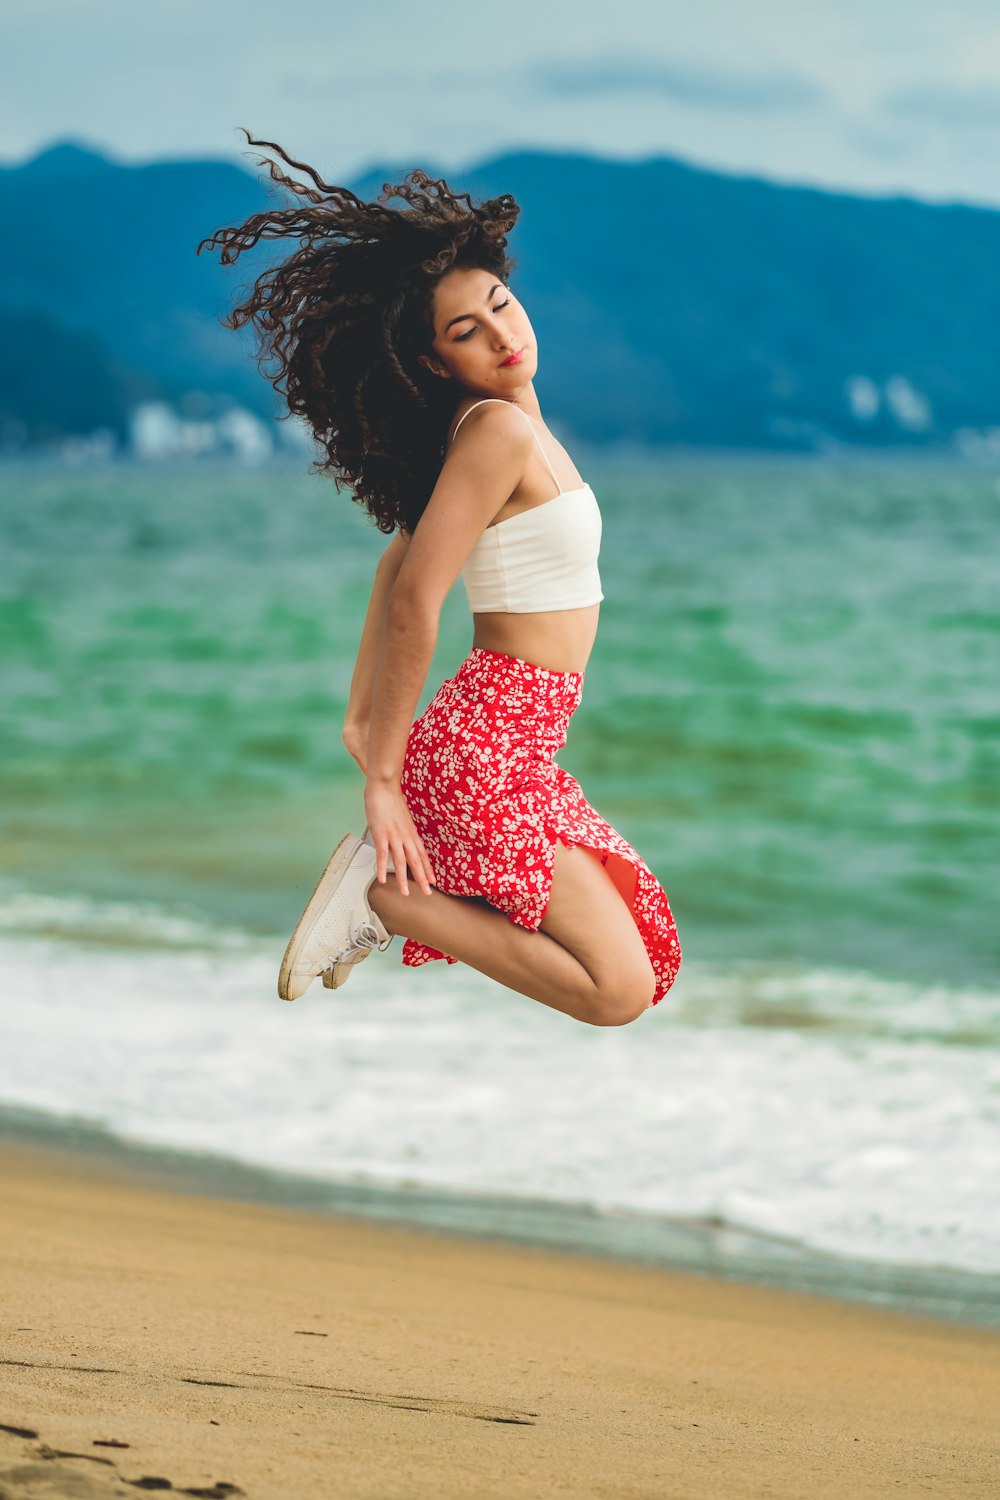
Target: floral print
488, 800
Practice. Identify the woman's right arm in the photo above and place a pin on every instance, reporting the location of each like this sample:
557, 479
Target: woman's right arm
480, 472
359, 701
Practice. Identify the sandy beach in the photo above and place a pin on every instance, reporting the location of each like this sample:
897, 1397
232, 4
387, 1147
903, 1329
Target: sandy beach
159, 1339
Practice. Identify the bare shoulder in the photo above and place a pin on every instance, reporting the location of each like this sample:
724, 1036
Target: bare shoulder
493, 417
483, 464
481, 470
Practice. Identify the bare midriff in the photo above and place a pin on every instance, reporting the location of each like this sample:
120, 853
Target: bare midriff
560, 639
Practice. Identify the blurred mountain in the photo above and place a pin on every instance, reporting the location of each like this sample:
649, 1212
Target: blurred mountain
56, 380
672, 304
108, 250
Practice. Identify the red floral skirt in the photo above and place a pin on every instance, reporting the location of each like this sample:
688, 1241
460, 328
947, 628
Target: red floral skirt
488, 800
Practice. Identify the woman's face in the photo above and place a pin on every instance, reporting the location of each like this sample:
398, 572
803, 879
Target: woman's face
478, 324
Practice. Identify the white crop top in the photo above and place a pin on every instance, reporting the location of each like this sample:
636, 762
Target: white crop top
541, 558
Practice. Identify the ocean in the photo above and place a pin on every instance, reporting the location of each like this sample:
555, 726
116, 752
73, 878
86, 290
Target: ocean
792, 711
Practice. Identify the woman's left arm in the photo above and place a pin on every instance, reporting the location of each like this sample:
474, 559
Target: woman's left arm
359, 702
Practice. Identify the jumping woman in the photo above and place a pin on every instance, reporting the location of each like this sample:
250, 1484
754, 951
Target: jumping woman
399, 339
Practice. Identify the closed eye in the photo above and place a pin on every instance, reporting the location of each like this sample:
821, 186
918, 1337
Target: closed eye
463, 336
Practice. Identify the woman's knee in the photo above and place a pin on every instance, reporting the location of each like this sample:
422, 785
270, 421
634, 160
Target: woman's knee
625, 1001
588, 914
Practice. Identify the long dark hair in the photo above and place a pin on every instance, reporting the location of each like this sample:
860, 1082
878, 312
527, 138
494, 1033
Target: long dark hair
346, 315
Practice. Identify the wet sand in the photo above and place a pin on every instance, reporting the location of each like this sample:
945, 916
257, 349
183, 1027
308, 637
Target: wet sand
224, 1348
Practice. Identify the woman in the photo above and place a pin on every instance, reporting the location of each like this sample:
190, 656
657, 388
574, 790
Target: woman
399, 339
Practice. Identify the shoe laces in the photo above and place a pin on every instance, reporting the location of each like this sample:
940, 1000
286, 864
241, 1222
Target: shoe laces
364, 940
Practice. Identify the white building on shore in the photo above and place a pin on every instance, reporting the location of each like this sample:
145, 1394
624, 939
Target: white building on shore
157, 432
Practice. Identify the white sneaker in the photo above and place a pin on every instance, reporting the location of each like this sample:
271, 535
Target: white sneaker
338, 927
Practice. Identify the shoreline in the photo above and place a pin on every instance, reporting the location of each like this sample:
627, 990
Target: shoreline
283, 1352
721, 1252
716, 1252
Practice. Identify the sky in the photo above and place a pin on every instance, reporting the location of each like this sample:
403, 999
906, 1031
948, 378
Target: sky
871, 96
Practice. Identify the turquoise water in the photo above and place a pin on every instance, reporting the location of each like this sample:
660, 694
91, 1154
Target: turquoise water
791, 709
792, 713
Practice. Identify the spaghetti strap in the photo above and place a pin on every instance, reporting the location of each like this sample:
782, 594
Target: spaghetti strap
524, 414
473, 407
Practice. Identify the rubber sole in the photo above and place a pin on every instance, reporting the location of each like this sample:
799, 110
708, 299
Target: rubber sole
327, 883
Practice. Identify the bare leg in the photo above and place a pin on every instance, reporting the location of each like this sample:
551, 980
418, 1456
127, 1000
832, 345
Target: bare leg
605, 988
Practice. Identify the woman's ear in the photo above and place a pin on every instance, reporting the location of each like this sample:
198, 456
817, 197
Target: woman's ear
434, 366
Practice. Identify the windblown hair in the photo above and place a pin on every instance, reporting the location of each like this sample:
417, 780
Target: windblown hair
346, 315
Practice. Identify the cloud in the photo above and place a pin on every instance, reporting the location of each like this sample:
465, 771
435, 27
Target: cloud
941, 103
708, 88
898, 144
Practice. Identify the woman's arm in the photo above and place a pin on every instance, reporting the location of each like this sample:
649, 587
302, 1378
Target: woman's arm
359, 701
482, 469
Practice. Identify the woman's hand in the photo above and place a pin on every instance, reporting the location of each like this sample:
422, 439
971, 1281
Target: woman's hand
355, 737
392, 830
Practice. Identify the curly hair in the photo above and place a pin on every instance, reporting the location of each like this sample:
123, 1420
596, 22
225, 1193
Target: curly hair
346, 315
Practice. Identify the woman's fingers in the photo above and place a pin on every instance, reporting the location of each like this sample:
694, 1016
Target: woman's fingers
419, 861
419, 866
414, 864
426, 864
386, 845
399, 860
406, 850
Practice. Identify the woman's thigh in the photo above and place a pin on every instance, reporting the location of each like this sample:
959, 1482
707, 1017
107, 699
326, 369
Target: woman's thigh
588, 915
